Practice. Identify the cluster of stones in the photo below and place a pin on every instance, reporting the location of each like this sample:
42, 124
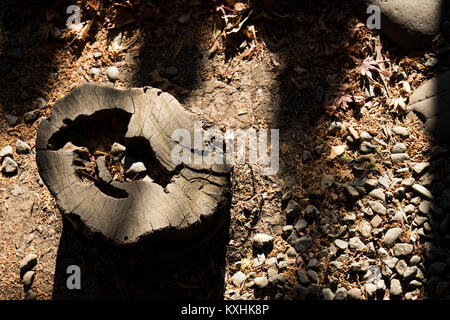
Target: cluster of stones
389, 247
27, 275
9, 167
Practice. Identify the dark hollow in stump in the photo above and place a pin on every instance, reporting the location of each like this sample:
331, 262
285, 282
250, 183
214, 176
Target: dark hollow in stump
168, 202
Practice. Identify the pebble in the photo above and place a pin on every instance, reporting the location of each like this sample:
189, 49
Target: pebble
415, 283
360, 266
28, 262
31, 116
341, 244
399, 157
350, 217
292, 239
366, 229
401, 131
351, 192
431, 62
407, 183
370, 184
382, 253
238, 278
340, 294
335, 265
415, 260
118, 151
312, 276
6, 151
97, 55
22, 147
410, 272
136, 168
334, 127
272, 275
301, 225
377, 208
287, 230
396, 287
259, 260
293, 209
94, 71
28, 278
376, 221
366, 147
9, 166
12, 119
327, 294
112, 73
370, 247
354, 294
422, 191
302, 277
261, 282
304, 243
400, 193
365, 136
418, 168
326, 181
282, 265
260, 240
291, 252
41, 103
378, 194
272, 261
403, 249
384, 181
370, 289
391, 236
399, 148
401, 267
301, 291
312, 212
16, 191
355, 244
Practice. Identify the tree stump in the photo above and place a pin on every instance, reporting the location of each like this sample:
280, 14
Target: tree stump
168, 201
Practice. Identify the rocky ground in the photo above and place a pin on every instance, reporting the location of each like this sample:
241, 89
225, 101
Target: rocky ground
359, 207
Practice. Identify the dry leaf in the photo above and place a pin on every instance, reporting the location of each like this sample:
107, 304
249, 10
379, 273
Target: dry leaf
336, 151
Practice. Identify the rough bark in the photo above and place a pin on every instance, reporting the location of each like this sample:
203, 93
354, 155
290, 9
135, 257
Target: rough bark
141, 209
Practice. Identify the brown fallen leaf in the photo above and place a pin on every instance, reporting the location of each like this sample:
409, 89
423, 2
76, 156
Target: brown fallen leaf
336, 151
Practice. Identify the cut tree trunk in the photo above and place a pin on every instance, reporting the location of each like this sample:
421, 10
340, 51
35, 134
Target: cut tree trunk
127, 213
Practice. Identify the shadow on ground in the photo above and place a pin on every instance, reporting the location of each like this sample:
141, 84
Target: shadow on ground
298, 109
435, 233
176, 272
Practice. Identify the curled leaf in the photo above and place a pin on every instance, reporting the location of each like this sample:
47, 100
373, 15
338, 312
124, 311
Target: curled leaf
336, 151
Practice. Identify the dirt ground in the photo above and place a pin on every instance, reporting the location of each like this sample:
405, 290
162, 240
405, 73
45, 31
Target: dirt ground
296, 68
